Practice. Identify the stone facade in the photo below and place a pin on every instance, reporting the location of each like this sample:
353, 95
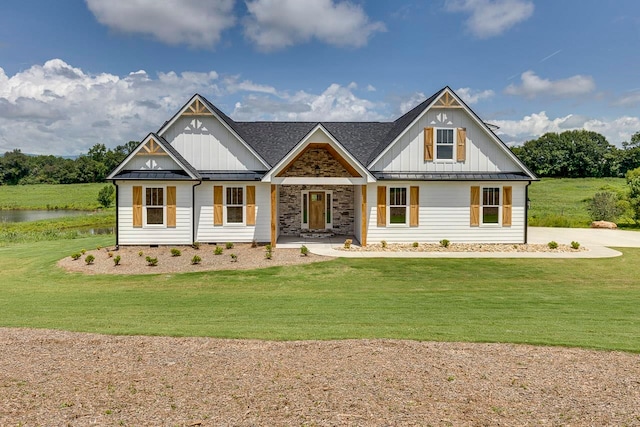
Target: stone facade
290, 208
317, 162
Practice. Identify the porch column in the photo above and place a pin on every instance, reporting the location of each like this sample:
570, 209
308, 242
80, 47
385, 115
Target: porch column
274, 215
363, 216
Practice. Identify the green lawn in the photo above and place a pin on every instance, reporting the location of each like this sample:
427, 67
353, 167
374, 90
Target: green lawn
585, 303
562, 202
50, 196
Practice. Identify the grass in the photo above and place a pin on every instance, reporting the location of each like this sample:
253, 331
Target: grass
583, 303
50, 196
562, 202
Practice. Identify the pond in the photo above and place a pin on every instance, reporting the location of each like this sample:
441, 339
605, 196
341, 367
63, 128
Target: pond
26, 215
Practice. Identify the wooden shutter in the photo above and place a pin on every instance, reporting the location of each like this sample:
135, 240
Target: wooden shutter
475, 206
171, 207
251, 205
461, 151
217, 205
137, 206
428, 144
414, 206
382, 206
506, 206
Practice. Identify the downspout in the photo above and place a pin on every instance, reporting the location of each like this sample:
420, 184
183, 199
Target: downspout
526, 212
117, 216
193, 211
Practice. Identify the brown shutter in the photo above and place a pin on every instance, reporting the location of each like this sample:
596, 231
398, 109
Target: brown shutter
506, 206
251, 205
428, 144
217, 205
171, 207
382, 206
415, 206
137, 206
461, 152
475, 206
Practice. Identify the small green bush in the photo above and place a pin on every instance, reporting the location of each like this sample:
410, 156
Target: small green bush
110, 254
416, 244
575, 245
175, 252
75, 256
347, 244
254, 244
553, 244
444, 243
268, 252
89, 259
234, 258
228, 245
384, 244
304, 250
140, 253
218, 250
116, 260
151, 262
98, 247
83, 251
196, 260
195, 245
605, 206
107, 195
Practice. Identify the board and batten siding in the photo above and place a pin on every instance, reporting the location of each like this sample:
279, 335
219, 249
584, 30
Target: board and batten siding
483, 154
444, 213
208, 145
207, 232
181, 234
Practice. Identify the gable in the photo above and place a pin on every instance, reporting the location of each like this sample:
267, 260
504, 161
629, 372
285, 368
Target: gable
151, 156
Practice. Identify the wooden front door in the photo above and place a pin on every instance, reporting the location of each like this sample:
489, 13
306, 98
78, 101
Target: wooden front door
316, 210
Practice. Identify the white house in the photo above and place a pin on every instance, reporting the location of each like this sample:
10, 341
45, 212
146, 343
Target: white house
437, 172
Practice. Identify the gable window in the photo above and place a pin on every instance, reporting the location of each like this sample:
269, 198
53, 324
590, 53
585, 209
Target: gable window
398, 205
235, 202
444, 144
491, 205
154, 204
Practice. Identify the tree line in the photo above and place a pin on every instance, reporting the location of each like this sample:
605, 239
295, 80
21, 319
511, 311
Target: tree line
579, 154
17, 168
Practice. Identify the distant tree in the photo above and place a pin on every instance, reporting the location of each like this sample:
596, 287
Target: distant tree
106, 195
633, 181
14, 166
605, 206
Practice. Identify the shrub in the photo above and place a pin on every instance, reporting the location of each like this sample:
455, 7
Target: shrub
110, 254
89, 259
106, 195
347, 244
575, 245
175, 252
151, 262
234, 258
228, 245
98, 247
140, 253
218, 250
304, 250
553, 244
195, 245
416, 244
116, 260
254, 244
383, 243
196, 260
605, 206
75, 256
269, 252
82, 251
444, 243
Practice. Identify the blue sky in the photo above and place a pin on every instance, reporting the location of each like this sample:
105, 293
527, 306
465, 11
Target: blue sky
74, 73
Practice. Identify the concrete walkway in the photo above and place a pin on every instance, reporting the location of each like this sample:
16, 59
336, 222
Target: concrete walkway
598, 242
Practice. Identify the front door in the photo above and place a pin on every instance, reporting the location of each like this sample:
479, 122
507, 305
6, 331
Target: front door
316, 211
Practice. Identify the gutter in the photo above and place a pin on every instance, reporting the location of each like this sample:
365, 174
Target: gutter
193, 211
117, 216
526, 212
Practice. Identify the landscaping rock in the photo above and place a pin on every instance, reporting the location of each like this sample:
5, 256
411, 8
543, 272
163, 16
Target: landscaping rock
603, 224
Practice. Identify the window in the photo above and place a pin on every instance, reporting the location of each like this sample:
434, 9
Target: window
491, 205
154, 202
444, 144
397, 205
235, 202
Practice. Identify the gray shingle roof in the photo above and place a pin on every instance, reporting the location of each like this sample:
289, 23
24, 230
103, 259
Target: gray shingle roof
232, 175
453, 176
168, 175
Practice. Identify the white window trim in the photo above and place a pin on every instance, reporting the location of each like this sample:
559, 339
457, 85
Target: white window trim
328, 194
435, 145
500, 195
407, 213
224, 206
164, 206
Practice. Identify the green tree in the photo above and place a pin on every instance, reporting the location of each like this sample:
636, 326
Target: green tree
106, 195
633, 181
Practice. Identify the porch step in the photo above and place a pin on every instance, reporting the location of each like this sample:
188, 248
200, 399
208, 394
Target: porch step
316, 234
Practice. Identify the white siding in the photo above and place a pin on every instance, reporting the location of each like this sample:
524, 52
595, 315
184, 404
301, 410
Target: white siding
208, 145
206, 232
128, 235
444, 214
146, 162
483, 154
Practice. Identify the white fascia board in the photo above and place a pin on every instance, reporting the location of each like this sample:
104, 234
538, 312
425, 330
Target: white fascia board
269, 176
205, 102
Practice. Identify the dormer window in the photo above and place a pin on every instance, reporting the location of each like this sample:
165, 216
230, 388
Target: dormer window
444, 144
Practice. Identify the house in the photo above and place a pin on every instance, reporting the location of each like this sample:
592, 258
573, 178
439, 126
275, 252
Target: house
437, 172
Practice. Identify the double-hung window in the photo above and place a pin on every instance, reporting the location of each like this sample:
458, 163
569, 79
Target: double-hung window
398, 205
444, 144
235, 203
491, 205
154, 204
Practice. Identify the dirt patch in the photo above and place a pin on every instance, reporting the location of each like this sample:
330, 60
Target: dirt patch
77, 379
131, 262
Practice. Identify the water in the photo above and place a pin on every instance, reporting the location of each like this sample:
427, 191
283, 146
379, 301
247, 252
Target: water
27, 215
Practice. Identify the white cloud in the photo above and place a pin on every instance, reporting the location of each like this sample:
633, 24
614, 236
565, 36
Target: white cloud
276, 24
515, 132
192, 22
491, 18
630, 99
413, 101
371, 88
233, 84
532, 86
472, 96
